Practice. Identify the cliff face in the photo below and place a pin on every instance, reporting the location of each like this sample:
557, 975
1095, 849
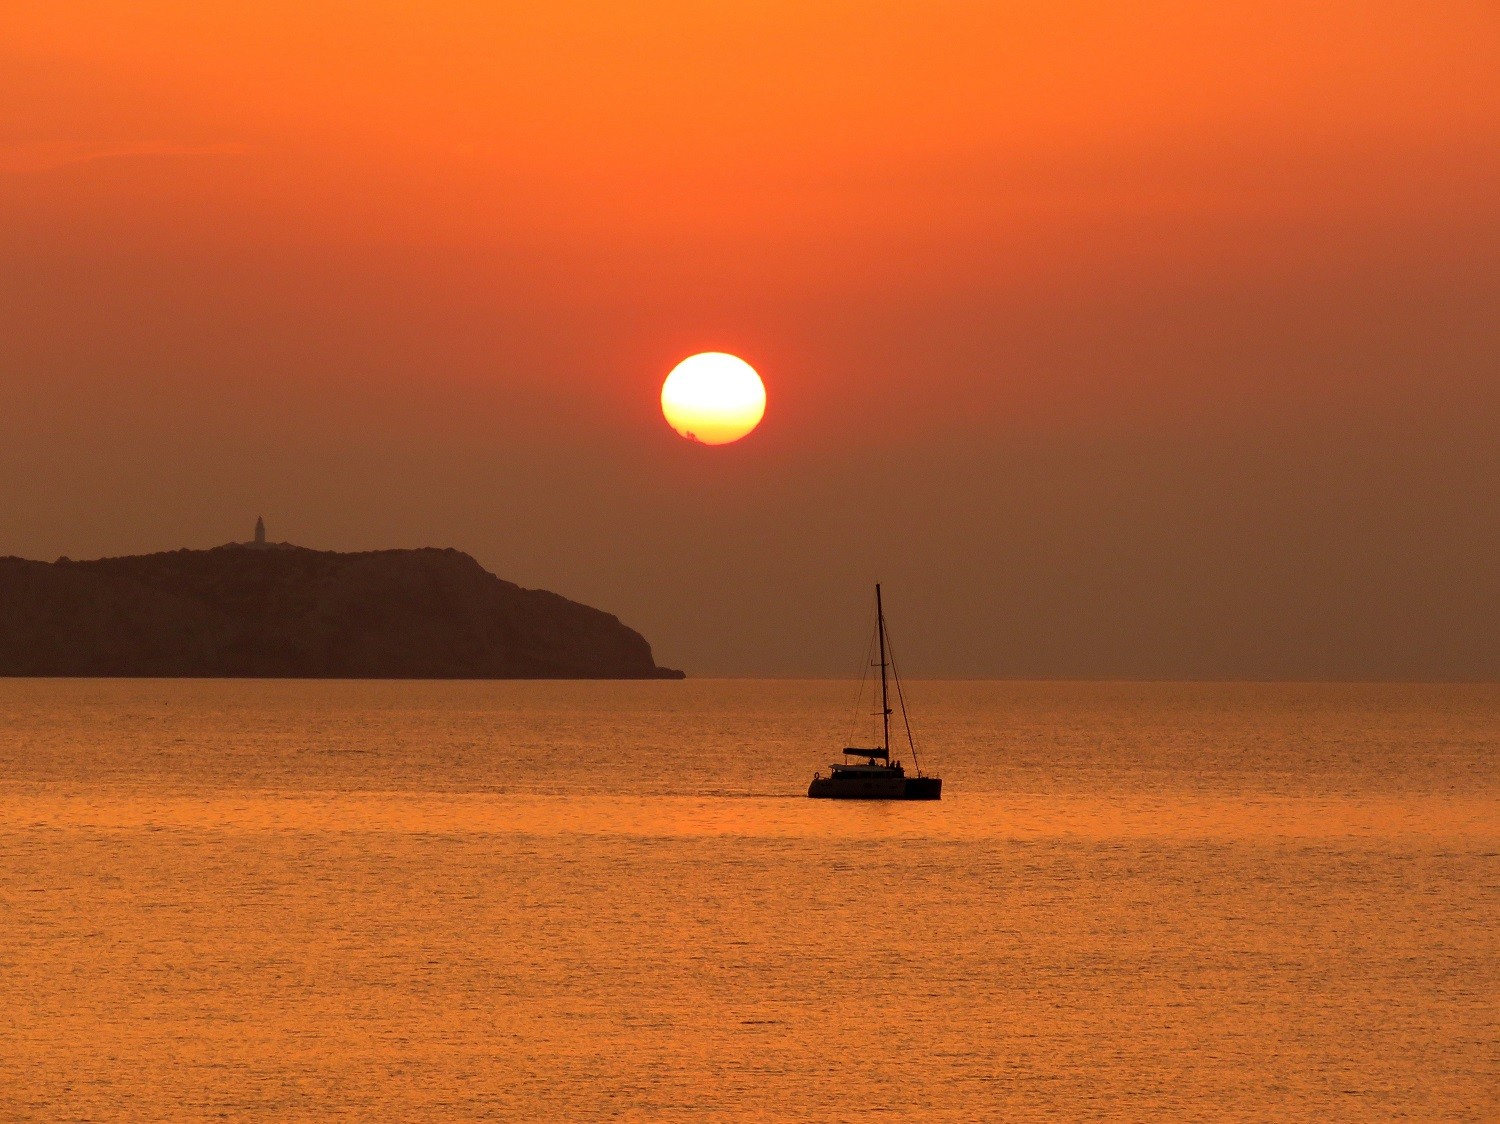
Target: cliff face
290, 612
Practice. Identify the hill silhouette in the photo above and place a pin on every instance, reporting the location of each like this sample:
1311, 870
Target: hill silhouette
292, 612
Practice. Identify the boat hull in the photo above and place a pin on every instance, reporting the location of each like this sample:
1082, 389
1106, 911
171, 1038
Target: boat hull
883, 788
924, 788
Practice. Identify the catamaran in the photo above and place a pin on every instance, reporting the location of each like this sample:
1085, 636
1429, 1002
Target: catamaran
876, 776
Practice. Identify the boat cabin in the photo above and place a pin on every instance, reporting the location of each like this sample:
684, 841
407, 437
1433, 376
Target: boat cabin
870, 768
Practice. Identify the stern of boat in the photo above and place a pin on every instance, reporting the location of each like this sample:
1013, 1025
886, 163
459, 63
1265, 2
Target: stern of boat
924, 788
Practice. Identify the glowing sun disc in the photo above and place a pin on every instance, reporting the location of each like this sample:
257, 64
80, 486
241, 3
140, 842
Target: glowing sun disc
713, 398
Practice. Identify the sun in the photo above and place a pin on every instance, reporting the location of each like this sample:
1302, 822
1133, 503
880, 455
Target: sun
713, 398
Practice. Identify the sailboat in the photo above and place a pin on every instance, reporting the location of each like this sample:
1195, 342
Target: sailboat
874, 776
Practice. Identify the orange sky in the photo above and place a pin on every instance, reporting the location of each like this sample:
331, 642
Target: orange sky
1170, 332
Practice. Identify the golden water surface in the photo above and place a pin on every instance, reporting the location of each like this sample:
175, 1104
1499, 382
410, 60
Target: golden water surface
603, 900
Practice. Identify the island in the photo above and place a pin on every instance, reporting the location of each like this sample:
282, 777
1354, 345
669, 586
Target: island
273, 610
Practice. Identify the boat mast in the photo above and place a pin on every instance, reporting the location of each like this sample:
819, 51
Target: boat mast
885, 701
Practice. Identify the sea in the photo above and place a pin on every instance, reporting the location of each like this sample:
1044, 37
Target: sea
613, 901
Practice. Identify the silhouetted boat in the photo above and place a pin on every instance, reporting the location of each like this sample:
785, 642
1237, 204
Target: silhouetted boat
877, 777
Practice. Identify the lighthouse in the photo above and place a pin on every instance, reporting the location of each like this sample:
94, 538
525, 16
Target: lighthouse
258, 540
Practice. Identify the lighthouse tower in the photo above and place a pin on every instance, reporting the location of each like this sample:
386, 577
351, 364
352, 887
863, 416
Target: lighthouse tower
259, 541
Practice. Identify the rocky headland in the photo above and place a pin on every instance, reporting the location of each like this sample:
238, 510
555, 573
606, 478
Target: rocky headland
280, 611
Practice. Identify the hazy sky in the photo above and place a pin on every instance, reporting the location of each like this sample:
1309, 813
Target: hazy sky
1149, 339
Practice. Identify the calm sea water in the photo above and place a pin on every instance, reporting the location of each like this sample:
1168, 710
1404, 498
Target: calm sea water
600, 900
